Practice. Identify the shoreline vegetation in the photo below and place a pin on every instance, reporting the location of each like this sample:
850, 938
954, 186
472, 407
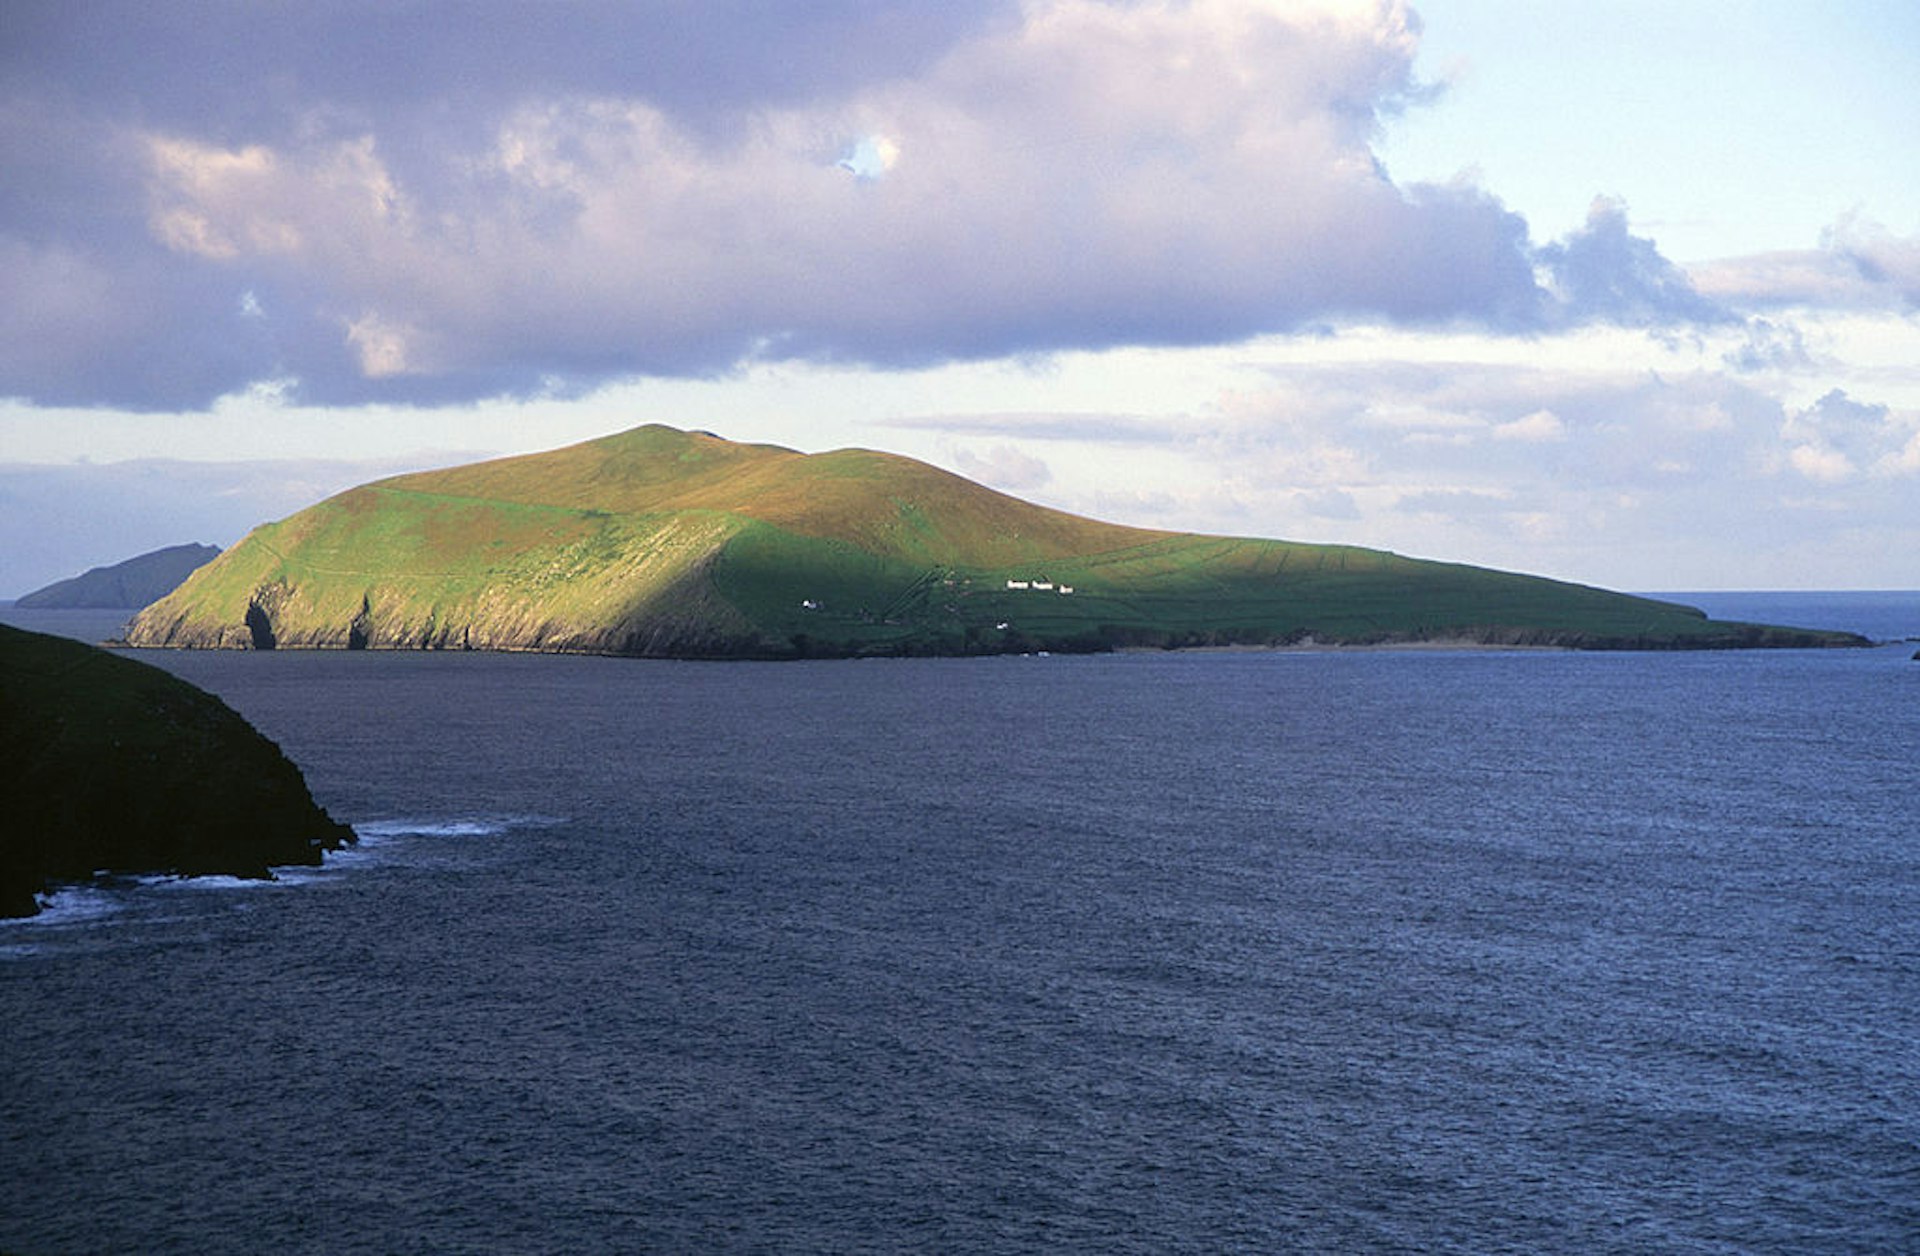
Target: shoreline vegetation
668, 544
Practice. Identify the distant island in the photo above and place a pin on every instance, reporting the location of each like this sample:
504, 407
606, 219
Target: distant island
111, 765
662, 543
127, 585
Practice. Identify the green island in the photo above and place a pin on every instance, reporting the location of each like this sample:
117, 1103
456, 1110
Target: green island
112, 766
662, 543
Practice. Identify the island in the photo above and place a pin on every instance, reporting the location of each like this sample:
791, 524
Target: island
110, 765
657, 542
125, 585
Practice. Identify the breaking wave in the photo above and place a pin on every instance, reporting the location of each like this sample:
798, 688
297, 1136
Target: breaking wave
79, 909
475, 826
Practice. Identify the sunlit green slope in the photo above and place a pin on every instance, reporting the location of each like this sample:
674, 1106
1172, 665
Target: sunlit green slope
667, 543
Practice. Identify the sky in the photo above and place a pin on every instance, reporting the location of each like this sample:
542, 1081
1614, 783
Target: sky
1625, 293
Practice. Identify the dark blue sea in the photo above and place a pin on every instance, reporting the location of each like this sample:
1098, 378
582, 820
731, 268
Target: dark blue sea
1372, 951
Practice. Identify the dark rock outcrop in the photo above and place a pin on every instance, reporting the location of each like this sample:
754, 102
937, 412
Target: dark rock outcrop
109, 765
123, 586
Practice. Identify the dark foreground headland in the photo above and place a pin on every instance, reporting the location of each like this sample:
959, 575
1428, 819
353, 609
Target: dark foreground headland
669, 544
111, 765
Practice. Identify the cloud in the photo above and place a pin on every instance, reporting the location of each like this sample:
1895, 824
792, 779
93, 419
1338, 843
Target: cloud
1860, 264
1586, 464
535, 197
1081, 428
1770, 346
1328, 503
1454, 503
1878, 256
1837, 438
227, 68
1816, 462
91, 97
1535, 428
383, 347
870, 157
373, 203
1604, 272
1490, 426
1004, 467
81, 326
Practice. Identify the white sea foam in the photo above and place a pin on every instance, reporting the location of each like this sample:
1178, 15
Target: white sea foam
62, 910
210, 882
71, 905
464, 826
302, 874
101, 901
378, 830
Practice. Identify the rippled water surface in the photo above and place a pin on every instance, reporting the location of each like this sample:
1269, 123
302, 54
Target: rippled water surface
1418, 951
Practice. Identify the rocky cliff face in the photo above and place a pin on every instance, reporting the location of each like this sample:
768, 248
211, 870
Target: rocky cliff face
111, 765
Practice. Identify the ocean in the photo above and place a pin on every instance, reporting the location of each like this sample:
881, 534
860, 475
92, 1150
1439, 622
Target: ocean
1359, 951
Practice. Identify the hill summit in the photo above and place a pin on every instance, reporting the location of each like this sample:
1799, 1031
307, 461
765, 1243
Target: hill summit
663, 543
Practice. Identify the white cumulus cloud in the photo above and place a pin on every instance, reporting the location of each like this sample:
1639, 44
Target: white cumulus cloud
1541, 425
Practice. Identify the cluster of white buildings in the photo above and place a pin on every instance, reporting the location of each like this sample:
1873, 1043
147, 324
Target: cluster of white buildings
1041, 584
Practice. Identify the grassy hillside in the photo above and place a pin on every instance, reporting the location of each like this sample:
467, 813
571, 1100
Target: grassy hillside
667, 543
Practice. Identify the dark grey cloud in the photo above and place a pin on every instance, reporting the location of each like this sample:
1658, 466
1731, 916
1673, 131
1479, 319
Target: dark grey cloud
101, 315
436, 202
240, 71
